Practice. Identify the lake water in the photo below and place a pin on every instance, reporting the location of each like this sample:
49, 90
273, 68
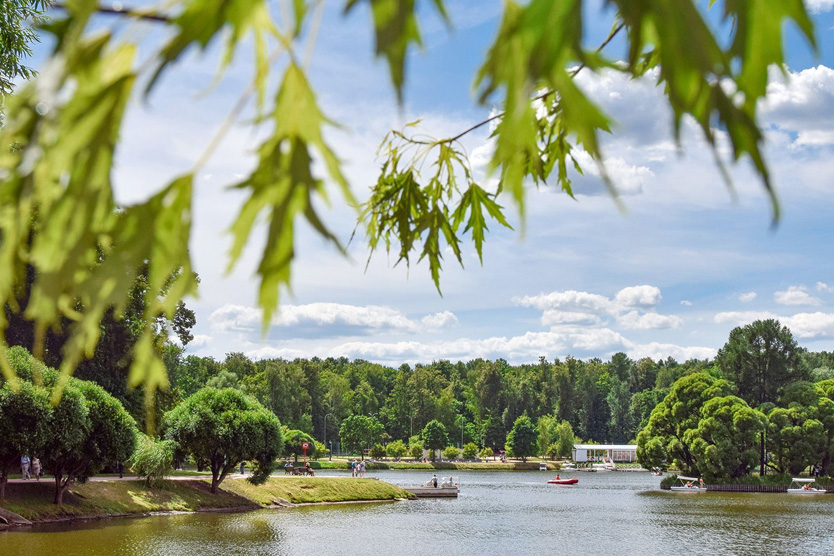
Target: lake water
496, 513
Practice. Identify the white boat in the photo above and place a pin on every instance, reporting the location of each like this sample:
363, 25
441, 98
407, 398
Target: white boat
804, 486
542, 466
689, 484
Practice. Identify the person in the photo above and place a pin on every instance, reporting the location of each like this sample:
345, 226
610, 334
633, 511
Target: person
242, 465
701, 483
308, 469
434, 481
36, 468
688, 484
362, 469
353, 468
24, 466
558, 478
121, 468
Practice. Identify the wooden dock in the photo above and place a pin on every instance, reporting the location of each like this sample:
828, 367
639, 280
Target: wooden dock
433, 492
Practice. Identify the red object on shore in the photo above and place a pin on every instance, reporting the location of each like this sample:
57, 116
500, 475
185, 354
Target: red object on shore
563, 481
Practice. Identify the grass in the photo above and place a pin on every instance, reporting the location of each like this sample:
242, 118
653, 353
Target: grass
33, 500
302, 490
103, 498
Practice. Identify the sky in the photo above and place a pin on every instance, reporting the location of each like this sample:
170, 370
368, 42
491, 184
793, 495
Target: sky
687, 261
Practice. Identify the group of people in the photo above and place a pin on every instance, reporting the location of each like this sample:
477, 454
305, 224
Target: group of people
30, 467
357, 468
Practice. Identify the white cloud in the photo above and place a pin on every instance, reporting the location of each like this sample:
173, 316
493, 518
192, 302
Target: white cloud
570, 299
639, 296
741, 318
686, 303
269, 352
649, 321
811, 325
199, 340
819, 6
795, 295
823, 287
440, 320
803, 105
747, 297
552, 317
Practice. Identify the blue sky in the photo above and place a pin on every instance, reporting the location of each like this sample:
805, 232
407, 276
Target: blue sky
670, 277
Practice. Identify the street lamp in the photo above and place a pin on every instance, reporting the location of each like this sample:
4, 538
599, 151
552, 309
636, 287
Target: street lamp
331, 450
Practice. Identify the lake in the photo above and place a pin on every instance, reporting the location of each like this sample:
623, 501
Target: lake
498, 512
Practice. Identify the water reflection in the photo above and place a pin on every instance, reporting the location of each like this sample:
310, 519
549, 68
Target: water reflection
497, 512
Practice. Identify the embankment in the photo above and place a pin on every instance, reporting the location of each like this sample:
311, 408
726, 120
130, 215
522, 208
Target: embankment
98, 499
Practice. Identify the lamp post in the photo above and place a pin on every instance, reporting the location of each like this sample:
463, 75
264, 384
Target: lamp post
411, 429
325, 434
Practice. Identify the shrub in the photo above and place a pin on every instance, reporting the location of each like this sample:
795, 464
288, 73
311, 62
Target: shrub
152, 459
451, 452
470, 450
396, 449
486, 453
415, 449
377, 451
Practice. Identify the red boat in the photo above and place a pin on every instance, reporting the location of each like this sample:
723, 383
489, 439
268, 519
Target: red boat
563, 481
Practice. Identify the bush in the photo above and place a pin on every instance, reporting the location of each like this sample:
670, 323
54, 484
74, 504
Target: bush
553, 450
396, 449
377, 451
152, 459
450, 453
432, 455
486, 453
470, 450
415, 450
321, 450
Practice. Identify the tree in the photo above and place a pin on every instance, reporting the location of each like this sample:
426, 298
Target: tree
761, 359
800, 432
725, 443
377, 451
415, 448
564, 432
546, 427
396, 449
522, 438
293, 444
665, 440
434, 436
717, 79
359, 432
224, 428
152, 459
18, 18
63, 452
25, 415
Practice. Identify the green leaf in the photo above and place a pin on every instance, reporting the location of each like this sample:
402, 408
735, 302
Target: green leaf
283, 186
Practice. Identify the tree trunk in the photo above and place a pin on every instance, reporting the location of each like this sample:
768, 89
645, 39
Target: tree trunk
60, 487
3, 480
762, 461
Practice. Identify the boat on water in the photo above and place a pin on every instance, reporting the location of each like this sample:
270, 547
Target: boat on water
689, 484
559, 481
542, 466
804, 486
447, 487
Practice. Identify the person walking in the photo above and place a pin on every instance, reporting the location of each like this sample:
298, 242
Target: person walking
24, 466
36, 468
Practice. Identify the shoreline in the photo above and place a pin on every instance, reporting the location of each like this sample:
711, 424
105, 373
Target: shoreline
28, 506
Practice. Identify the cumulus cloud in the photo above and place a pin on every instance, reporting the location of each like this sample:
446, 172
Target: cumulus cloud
638, 296
803, 105
649, 321
552, 317
795, 295
811, 325
819, 6
686, 303
747, 297
823, 287
339, 319
569, 299
440, 320
741, 318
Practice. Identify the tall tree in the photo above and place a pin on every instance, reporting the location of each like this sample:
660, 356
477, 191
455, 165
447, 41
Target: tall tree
522, 438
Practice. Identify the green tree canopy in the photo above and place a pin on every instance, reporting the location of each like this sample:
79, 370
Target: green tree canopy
726, 441
664, 441
566, 439
435, 436
359, 432
224, 428
522, 438
25, 415
293, 444
761, 359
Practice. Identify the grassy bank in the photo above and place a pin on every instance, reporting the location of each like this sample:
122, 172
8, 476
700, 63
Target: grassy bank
94, 499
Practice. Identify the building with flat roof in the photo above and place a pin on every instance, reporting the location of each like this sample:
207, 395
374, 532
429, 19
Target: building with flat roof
619, 453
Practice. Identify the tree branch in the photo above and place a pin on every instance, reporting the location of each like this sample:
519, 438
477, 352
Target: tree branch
118, 9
